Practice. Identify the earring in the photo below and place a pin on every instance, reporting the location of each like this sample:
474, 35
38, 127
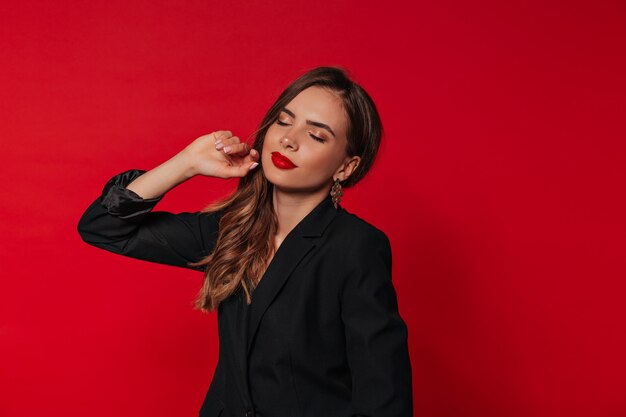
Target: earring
336, 192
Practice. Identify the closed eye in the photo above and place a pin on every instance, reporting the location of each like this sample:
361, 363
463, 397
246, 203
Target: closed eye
321, 140
316, 138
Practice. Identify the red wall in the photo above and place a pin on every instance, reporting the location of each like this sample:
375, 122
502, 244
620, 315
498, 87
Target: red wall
500, 185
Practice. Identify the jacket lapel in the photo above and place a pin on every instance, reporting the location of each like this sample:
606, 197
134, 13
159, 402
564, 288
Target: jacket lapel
293, 249
232, 324
237, 322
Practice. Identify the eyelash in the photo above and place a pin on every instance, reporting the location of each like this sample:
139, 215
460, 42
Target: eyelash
312, 136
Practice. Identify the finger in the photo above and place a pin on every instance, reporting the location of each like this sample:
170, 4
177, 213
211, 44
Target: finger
249, 159
221, 135
241, 170
241, 149
246, 168
221, 143
229, 139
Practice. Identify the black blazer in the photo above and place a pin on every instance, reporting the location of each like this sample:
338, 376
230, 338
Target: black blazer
322, 336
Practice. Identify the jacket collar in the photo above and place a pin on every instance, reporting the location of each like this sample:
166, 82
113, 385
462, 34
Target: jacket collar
239, 327
314, 223
294, 247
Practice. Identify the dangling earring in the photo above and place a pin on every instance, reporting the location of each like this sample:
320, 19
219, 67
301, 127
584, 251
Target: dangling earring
336, 192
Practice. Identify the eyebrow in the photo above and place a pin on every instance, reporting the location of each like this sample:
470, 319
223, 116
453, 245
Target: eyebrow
310, 122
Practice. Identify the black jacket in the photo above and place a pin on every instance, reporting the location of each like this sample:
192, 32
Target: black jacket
322, 336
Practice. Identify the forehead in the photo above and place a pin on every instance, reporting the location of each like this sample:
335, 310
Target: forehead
320, 105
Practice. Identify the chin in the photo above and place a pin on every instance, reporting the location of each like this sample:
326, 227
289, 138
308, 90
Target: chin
273, 173
285, 184
292, 180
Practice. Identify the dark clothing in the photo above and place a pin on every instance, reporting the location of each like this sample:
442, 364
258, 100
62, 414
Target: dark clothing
322, 336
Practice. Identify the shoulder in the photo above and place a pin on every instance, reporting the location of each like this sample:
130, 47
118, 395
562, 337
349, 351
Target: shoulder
363, 249
356, 249
348, 229
351, 222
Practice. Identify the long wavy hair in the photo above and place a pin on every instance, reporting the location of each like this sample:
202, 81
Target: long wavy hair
248, 221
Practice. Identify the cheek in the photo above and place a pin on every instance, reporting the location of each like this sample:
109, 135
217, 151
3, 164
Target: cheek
272, 131
268, 140
327, 160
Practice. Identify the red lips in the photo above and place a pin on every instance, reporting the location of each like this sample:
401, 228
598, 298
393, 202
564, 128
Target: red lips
281, 161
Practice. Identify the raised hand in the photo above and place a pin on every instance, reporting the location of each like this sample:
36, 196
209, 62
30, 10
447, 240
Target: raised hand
222, 155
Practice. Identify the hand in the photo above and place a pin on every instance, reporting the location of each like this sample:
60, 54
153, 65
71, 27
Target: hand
220, 154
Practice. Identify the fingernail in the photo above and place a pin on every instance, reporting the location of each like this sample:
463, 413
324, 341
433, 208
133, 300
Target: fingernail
254, 165
227, 149
219, 146
218, 141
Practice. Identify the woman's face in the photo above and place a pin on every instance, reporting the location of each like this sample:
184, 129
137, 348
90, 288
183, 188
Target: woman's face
310, 132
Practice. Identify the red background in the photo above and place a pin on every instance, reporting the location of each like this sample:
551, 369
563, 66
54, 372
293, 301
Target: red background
500, 185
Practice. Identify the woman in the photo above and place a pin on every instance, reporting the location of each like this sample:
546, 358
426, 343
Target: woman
307, 313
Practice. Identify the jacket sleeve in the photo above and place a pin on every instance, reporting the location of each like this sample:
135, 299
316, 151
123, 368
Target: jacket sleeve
122, 222
376, 335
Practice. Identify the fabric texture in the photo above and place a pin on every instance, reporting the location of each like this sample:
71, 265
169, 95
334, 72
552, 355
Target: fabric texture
124, 203
322, 337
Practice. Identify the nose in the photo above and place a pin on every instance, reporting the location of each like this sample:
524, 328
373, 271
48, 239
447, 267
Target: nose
286, 142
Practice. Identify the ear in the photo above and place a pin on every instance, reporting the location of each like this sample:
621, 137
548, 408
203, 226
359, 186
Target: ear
347, 168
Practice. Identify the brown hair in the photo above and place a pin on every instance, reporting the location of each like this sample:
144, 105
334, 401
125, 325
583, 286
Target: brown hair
248, 222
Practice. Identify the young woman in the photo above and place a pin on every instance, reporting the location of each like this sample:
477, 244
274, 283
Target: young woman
307, 312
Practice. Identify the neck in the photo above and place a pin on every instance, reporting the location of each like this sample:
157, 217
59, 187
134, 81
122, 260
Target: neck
291, 208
